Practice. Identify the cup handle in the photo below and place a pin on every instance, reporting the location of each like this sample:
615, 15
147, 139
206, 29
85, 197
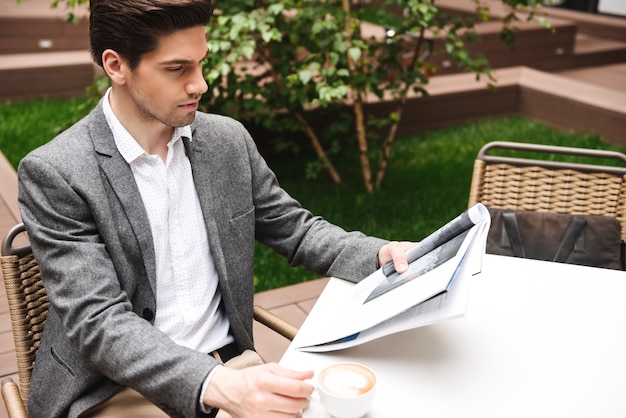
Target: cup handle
315, 396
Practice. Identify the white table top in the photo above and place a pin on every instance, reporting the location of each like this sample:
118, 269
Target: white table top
539, 339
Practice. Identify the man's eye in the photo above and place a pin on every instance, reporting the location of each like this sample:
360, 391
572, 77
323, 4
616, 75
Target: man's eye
176, 69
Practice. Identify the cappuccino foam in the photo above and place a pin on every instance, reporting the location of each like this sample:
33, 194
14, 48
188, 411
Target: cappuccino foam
347, 380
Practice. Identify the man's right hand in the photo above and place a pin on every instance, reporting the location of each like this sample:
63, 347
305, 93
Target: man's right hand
264, 391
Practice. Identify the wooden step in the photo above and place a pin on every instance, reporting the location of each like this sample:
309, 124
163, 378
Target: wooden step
23, 35
45, 74
33, 26
591, 50
594, 24
566, 101
535, 46
41, 53
580, 39
612, 76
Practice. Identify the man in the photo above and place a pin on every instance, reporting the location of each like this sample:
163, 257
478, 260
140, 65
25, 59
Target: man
143, 217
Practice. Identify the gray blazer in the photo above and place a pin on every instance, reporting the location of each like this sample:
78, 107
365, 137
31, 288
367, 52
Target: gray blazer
90, 232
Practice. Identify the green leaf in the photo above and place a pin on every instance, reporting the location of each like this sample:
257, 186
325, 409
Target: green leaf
354, 53
343, 72
305, 76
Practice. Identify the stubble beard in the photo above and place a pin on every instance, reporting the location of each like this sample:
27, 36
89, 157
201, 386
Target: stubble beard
171, 119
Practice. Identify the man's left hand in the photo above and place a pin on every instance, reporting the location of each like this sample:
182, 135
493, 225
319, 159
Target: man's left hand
395, 251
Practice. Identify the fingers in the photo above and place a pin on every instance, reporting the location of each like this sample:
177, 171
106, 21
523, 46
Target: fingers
395, 251
268, 390
287, 391
284, 383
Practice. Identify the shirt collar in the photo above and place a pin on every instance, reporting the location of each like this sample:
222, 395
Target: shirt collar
124, 141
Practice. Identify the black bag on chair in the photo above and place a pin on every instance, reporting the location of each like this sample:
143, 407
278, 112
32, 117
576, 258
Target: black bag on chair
588, 240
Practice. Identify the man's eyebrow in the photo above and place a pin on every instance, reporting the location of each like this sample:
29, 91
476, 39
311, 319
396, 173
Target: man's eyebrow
184, 61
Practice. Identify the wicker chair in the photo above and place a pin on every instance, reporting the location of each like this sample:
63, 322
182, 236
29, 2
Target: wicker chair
28, 308
551, 186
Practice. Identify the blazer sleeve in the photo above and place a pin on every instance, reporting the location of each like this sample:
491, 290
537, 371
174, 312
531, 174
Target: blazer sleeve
304, 238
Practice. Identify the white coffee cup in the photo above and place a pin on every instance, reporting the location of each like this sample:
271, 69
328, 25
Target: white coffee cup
347, 390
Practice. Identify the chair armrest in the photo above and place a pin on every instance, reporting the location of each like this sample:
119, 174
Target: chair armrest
12, 399
275, 322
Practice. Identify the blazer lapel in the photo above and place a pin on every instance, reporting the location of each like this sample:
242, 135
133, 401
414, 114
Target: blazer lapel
203, 176
121, 179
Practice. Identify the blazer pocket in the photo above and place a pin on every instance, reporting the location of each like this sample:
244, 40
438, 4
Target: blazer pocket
242, 227
241, 238
62, 364
243, 216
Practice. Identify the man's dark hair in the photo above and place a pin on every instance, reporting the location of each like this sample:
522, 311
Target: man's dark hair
132, 27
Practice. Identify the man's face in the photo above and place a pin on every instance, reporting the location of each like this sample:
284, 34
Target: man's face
167, 84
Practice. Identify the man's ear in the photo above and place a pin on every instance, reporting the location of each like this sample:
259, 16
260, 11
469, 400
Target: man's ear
115, 66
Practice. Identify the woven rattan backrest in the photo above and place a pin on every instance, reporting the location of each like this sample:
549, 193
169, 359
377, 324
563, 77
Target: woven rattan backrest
28, 303
550, 186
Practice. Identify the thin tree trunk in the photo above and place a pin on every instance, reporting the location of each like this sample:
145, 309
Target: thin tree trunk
366, 170
357, 105
385, 154
319, 150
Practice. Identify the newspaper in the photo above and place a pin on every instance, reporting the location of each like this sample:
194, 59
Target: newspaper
434, 288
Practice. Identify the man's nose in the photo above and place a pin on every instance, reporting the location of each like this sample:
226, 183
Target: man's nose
197, 84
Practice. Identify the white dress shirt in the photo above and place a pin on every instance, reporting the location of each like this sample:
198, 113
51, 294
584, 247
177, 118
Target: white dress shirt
187, 293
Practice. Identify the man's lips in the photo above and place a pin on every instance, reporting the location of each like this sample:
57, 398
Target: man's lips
189, 106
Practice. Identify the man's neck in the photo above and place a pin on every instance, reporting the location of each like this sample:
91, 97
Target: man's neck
151, 135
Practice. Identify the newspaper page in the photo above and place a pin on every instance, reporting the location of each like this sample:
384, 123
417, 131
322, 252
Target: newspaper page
434, 288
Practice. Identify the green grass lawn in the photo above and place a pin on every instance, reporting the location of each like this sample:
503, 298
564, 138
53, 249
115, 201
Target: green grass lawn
426, 185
